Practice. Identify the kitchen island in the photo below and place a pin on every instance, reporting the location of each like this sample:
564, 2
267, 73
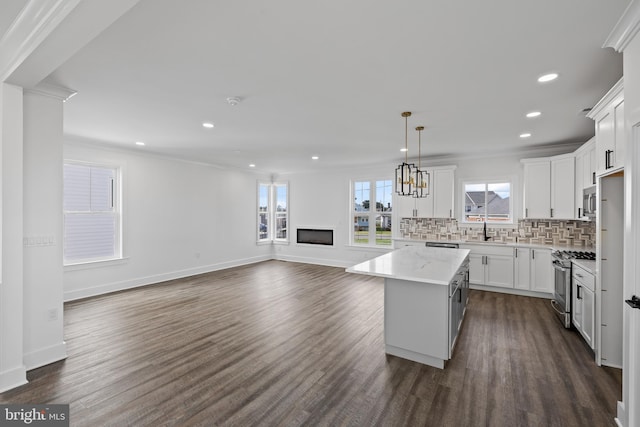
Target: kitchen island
425, 295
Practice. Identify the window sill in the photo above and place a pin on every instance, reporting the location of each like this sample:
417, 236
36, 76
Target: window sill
95, 264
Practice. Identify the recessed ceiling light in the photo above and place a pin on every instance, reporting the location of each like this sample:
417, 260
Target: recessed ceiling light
252, 165
525, 135
533, 114
404, 149
207, 125
140, 143
548, 77
314, 157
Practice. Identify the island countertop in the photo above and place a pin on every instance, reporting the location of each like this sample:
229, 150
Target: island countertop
415, 263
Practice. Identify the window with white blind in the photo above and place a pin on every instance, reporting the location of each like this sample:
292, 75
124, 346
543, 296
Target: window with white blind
91, 213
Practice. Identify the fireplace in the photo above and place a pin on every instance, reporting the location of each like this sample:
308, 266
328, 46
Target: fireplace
314, 236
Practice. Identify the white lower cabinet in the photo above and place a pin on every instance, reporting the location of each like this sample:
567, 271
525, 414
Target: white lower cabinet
583, 303
541, 271
491, 265
533, 269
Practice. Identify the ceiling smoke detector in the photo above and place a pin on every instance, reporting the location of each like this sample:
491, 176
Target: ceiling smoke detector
233, 101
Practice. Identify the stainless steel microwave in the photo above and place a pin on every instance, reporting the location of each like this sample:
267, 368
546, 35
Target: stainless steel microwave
589, 202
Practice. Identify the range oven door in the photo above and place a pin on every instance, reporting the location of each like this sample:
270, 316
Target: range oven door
561, 302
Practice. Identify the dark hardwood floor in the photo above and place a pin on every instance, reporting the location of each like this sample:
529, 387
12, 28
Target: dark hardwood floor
279, 343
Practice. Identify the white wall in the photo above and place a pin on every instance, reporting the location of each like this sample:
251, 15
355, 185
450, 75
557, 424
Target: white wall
322, 199
12, 369
43, 315
179, 219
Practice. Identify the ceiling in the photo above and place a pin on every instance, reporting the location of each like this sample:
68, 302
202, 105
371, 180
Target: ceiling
331, 79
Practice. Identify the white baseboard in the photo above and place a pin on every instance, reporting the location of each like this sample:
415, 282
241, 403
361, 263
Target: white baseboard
13, 378
157, 278
44, 356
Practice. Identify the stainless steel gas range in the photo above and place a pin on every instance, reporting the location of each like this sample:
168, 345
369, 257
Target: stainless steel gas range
561, 301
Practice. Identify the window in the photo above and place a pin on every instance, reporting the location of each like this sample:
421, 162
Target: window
91, 213
273, 212
371, 221
488, 201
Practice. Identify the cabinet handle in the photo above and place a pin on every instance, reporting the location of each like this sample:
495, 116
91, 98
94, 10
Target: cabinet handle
516, 250
533, 254
578, 289
607, 159
579, 275
449, 213
526, 212
579, 212
551, 212
594, 179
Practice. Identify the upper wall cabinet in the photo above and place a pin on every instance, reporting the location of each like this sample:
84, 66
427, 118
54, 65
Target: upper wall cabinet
585, 172
439, 202
608, 115
549, 187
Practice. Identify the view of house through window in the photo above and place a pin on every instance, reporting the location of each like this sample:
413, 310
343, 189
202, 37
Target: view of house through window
490, 202
372, 220
91, 213
273, 212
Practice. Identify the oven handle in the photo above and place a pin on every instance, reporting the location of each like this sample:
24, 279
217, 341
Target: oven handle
554, 303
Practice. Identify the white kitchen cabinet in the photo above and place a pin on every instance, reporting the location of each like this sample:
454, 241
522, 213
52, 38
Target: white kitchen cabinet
533, 270
443, 193
490, 265
537, 184
585, 175
522, 264
608, 115
541, 271
563, 188
549, 187
583, 303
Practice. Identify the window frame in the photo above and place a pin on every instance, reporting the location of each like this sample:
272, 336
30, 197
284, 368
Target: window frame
370, 214
116, 209
486, 183
272, 214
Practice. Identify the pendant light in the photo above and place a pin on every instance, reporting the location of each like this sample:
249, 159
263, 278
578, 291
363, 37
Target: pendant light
421, 176
405, 172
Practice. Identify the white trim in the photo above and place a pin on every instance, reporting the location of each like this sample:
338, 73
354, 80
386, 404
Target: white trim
625, 29
52, 91
87, 265
45, 356
31, 27
13, 378
613, 93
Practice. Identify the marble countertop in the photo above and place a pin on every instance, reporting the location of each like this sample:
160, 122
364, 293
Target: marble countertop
416, 263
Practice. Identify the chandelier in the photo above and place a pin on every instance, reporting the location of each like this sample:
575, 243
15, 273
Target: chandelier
411, 180
421, 176
405, 172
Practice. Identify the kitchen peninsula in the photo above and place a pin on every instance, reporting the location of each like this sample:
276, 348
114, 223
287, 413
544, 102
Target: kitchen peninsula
425, 296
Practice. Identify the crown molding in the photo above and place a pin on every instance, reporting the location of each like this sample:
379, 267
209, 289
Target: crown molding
30, 28
607, 99
625, 29
53, 91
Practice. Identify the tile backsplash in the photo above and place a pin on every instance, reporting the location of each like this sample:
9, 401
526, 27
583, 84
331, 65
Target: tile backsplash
535, 231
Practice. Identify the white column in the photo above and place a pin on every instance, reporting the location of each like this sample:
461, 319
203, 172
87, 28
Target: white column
43, 270
12, 369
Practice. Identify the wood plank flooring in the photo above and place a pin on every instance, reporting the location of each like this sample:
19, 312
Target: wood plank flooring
280, 343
